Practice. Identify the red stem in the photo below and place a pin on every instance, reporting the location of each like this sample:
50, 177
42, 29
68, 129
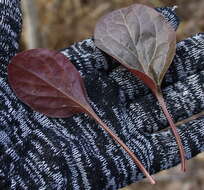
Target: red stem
120, 142
160, 98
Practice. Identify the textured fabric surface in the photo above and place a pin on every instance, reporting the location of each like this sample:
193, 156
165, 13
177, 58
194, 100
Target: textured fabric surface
37, 152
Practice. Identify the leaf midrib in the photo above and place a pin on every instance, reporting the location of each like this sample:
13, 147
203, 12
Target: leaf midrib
36, 75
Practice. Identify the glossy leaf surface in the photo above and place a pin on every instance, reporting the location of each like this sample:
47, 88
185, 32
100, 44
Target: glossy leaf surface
47, 81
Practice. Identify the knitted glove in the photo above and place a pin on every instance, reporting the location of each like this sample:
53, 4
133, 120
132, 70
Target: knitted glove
37, 152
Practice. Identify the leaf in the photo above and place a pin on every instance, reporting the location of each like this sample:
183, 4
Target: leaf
142, 41
139, 38
49, 83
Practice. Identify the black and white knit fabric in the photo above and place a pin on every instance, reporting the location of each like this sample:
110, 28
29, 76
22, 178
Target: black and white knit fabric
37, 152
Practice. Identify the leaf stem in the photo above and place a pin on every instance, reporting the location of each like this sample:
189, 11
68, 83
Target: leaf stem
160, 98
193, 117
184, 121
122, 144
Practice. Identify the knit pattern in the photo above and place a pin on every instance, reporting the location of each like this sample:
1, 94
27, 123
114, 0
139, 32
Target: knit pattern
37, 152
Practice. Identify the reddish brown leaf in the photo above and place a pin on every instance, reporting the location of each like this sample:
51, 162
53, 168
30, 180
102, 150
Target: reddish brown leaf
48, 82
142, 41
139, 38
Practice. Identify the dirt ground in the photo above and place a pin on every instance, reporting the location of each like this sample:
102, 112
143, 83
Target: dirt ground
174, 179
74, 20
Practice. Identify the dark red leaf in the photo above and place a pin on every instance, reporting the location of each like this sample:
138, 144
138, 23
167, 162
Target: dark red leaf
48, 82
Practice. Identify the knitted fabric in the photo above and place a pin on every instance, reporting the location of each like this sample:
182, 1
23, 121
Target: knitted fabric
37, 152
